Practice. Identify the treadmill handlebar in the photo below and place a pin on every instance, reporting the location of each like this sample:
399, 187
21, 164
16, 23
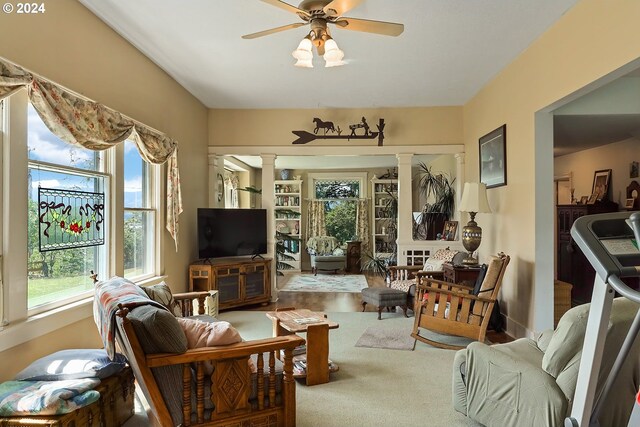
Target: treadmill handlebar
624, 290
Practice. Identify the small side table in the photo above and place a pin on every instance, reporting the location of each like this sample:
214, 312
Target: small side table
460, 274
317, 333
353, 257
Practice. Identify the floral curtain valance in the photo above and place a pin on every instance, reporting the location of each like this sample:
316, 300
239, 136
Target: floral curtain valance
96, 127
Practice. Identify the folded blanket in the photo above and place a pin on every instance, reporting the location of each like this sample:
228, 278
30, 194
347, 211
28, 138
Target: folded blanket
46, 397
108, 295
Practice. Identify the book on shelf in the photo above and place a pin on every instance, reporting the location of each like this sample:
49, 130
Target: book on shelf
300, 366
301, 349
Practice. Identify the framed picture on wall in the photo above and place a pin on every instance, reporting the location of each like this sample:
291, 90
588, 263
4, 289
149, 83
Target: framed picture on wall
493, 158
600, 187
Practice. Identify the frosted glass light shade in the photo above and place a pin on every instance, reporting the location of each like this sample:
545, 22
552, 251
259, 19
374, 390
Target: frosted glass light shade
332, 54
303, 54
474, 198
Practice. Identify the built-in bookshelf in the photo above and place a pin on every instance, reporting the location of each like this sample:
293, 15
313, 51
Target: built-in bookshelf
384, 223
288, 195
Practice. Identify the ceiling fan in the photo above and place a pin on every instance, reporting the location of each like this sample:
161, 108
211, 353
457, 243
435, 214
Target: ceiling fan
319, 13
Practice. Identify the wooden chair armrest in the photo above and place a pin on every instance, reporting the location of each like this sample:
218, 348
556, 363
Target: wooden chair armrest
242, 349
184, 300
190, 295
426, 282
436, 275
458, 294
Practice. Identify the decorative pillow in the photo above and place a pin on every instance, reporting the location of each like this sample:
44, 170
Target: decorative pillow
162, 293
73, 364
205, 334
338, 251
433, 264
209, 334
445, 255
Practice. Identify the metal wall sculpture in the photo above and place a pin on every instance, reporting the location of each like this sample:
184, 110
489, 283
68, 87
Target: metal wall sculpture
305, 137
70, 219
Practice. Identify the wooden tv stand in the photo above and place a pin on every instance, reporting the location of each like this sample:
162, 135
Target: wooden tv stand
239, 281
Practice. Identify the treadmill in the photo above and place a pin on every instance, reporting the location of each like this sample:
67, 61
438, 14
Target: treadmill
610, 243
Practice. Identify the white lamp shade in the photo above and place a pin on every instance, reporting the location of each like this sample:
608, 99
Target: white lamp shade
303, 54
332, 54
474, 198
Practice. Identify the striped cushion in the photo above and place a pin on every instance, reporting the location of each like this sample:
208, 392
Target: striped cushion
159, 332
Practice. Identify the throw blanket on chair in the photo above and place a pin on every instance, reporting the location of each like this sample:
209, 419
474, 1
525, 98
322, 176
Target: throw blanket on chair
46, 397
115, 291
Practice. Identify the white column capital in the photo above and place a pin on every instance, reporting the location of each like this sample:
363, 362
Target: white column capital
213, 159
404, 158
268, 159
459, 157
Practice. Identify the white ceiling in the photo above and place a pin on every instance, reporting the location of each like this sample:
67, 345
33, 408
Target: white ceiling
448, 51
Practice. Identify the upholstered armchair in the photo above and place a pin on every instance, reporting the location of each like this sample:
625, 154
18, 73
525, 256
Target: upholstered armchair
531, 382
325, 254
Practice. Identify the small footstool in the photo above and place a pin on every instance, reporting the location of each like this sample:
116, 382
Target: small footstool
384, 297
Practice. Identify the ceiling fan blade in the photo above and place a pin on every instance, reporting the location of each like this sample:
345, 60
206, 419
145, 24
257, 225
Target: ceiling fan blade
340, 7
377, 27
287, 7
273, 30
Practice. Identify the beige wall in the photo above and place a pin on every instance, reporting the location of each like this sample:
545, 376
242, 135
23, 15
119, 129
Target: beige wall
403, 126
583, 164
72, 47
592, 39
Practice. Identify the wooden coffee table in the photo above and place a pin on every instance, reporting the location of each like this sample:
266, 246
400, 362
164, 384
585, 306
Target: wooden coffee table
316, 326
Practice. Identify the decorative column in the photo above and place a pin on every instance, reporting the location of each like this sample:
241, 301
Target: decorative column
459, 186
405, 207
268, 203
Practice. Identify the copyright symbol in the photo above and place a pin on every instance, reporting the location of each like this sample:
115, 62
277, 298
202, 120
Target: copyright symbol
7, 8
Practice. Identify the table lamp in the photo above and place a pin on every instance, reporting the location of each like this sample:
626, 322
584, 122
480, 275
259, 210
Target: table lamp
474, 200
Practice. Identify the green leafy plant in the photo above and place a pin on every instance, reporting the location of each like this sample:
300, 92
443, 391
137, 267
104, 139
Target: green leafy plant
440, 193
374, 264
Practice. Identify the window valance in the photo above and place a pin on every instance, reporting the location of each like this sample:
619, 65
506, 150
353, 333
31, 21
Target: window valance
93, 126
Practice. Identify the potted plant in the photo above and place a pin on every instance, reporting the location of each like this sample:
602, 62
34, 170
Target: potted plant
439, 207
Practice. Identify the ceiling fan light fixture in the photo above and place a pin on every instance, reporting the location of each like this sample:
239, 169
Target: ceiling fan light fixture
332, 54
303, 53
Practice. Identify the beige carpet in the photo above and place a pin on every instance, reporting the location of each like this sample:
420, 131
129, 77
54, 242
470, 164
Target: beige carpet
374, 387
379, 336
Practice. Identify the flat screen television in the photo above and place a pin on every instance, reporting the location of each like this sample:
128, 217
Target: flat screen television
231, 232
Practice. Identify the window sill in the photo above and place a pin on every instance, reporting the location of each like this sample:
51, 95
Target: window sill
35, 326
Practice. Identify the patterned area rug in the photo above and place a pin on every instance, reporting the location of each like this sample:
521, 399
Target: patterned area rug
325, 283
378, 336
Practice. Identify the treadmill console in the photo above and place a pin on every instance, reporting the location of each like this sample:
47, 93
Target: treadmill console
610, 242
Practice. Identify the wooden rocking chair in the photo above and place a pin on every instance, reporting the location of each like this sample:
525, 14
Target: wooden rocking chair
453, 309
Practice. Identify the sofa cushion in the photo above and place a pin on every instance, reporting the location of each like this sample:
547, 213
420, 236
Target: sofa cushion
157, 330
73, 364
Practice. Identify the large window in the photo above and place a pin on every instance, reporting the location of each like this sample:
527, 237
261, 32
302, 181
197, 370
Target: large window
58, 276
340, 196
139, 214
